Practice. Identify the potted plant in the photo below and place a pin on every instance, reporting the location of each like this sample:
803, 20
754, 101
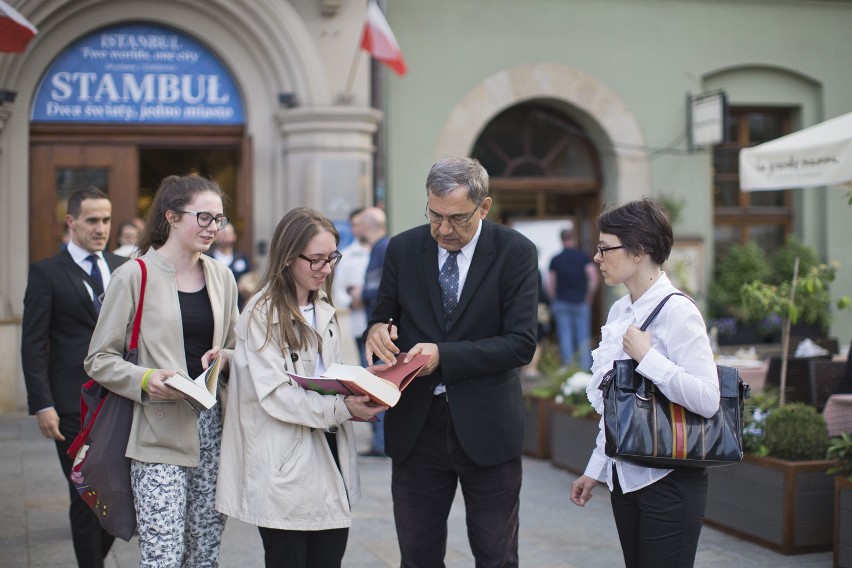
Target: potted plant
803, 297
574, 425
741, 264
779, 495
840, 450
539, 402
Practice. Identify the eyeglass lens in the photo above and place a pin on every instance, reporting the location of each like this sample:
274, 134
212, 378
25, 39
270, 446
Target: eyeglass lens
203, 218
318, 264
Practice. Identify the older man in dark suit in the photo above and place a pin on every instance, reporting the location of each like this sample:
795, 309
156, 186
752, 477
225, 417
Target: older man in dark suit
61, 307
464, 291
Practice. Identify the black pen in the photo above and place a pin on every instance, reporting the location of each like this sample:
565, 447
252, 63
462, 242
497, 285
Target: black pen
390, 324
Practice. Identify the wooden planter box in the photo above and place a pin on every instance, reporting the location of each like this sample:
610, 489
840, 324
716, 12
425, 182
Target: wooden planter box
842, 522
784, 505
537, 412
572, 439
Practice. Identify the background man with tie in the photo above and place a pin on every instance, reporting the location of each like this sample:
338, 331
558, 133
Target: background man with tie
465, 291
61, 307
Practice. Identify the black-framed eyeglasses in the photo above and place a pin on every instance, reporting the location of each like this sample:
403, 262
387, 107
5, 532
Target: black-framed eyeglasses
602, 250
455, 221
318, 264
204, 218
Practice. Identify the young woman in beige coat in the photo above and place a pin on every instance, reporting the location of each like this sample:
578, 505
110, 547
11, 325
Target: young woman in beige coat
288, 461
189, 314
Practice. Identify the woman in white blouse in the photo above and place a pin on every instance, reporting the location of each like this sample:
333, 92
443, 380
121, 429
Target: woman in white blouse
658, 512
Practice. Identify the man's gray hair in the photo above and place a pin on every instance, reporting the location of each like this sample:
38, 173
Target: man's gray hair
449, 173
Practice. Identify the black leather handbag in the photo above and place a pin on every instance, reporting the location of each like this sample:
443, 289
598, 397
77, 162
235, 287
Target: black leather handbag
644, 427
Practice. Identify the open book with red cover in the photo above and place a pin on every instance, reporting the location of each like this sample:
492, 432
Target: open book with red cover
382, 383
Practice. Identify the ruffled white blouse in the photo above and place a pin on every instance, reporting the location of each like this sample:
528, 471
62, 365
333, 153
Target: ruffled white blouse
680, 363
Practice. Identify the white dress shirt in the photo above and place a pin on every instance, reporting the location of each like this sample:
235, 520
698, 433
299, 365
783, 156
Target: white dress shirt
79, 255
349, 272
464, 258
680, 363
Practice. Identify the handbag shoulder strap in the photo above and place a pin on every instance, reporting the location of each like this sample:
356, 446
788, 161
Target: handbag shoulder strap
659, 307
137, 320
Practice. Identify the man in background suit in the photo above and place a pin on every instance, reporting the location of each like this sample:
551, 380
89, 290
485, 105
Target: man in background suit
464, 291
60, 310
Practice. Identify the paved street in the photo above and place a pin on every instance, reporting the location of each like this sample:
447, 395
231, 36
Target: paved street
554, 533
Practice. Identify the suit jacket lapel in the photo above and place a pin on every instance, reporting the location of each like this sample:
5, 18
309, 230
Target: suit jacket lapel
483, 256
77, 275
429, 265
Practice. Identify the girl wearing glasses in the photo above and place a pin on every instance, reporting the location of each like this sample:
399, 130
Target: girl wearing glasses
188, 316
289, 463
658, 512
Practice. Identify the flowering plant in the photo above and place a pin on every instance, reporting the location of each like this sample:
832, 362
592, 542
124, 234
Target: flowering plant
757, 410
573, 393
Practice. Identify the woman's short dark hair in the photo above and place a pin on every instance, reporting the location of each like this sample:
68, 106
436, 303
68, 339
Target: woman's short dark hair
643, 227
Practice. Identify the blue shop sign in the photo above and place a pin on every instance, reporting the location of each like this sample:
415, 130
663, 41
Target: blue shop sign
138, 74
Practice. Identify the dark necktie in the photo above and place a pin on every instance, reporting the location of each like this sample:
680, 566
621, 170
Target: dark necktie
97, 281
448, 279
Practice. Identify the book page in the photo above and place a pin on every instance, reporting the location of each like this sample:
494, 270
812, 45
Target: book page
210, 377
401, 373
380, 390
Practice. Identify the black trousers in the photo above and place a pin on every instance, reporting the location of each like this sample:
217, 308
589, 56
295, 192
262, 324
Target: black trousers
423, 488
91, 542
303, 549
659, 525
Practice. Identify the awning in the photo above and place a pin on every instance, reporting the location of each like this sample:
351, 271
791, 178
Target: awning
813, 157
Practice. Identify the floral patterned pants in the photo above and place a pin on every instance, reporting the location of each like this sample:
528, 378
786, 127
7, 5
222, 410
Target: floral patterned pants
178, 523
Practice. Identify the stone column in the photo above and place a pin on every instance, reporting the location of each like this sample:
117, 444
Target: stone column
328, 158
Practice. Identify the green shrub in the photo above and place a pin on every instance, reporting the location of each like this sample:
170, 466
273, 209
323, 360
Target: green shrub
742, 264
796, 432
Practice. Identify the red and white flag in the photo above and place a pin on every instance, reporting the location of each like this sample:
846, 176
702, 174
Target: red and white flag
378, 39
15, 31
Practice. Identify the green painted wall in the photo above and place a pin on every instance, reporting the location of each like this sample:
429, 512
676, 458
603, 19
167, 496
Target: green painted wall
651, 53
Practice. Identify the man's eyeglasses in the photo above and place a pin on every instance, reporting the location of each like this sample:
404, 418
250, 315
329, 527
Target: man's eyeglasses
602, 250
318, 264
204, 218
455, 221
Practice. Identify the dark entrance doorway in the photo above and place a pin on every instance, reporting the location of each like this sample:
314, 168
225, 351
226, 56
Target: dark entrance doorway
128, 165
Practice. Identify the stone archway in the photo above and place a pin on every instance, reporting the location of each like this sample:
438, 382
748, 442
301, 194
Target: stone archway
608, 116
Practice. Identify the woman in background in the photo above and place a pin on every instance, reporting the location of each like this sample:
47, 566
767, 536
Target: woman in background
289, 463
658, 512
189, 314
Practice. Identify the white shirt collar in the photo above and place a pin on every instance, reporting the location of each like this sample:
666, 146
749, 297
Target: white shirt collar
466, 250
79, 254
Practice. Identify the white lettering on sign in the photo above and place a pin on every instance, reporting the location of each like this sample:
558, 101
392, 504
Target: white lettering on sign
161, 88
134, 41
138, 72
57, 110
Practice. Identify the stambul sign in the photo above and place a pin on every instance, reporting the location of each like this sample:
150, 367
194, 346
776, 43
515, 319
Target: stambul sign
138, 73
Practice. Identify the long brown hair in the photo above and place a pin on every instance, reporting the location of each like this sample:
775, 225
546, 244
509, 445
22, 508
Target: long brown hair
278, 288
174, 193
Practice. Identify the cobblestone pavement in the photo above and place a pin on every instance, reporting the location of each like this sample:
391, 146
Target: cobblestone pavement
34, 529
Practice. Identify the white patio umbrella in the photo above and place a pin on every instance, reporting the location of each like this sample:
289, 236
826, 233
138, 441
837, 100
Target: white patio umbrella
817, 156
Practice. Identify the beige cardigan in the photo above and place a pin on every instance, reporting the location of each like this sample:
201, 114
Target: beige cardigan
162, 431
276, 469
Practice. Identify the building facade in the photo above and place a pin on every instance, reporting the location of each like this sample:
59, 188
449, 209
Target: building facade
575, 104
265, 96
570, 104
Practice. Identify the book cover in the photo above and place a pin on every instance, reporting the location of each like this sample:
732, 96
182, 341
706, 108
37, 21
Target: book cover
201, 391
